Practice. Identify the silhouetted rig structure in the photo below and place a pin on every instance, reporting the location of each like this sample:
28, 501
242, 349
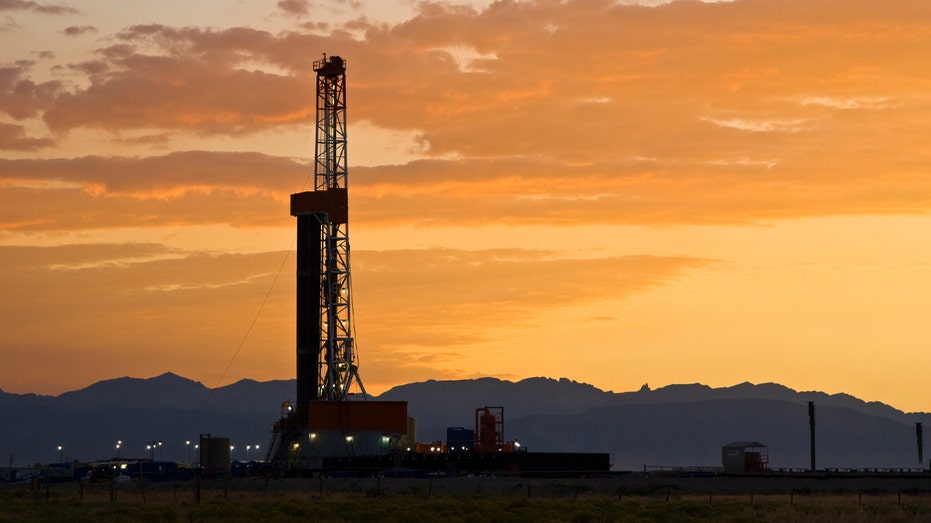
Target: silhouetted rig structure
330, 427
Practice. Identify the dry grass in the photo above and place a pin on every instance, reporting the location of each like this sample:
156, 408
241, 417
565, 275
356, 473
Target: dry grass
447, 501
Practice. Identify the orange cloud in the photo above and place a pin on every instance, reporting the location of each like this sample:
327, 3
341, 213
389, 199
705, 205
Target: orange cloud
130, 308
21, 97
423, 312
13, 137
245, 189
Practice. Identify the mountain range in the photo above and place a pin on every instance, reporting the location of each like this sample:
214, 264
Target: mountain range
677, 425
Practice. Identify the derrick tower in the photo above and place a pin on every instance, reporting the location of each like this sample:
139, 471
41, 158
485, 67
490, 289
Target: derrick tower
326, 363
325, 423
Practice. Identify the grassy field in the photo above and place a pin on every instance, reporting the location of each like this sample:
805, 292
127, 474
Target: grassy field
446, 501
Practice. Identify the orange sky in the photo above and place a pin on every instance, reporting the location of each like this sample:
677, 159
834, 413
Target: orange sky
671, 192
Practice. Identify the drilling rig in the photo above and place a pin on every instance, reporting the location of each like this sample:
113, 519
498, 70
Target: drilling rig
328, 420
329, 427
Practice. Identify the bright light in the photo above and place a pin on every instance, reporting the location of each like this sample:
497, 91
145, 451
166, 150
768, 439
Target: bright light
348, 438
312, 435
297, 446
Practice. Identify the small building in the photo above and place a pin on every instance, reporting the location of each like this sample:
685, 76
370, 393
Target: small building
745, 456
215, 456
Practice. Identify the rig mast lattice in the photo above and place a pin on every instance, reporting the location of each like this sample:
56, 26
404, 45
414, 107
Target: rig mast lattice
324, 323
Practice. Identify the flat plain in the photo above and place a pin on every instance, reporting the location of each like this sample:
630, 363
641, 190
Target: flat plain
475, 499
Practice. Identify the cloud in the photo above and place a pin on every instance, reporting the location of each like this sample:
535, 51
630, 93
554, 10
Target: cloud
761, 125
109, 303
231, 82
245, 189
522, 127
857, 102
28, 5
253, 190
126, 307
79, 30
295, 7
8, 24
13, 138
478, 85
21, 97
474, 297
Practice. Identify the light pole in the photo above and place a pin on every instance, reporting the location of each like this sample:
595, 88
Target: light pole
187, 443
61, 458
119, 443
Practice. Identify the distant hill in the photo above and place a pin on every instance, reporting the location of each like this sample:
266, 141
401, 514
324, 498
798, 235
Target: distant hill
675, 425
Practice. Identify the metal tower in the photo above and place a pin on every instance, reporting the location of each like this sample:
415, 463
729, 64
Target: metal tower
326, 363
324, 423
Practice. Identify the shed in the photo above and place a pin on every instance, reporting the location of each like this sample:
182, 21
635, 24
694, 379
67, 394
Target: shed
745, 456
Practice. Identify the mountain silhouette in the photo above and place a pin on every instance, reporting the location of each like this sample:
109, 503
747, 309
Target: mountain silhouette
677, 425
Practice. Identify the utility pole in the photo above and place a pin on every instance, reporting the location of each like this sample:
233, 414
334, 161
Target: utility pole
811, 425
921, 444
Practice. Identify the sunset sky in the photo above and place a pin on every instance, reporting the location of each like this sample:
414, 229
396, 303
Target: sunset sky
615, 192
